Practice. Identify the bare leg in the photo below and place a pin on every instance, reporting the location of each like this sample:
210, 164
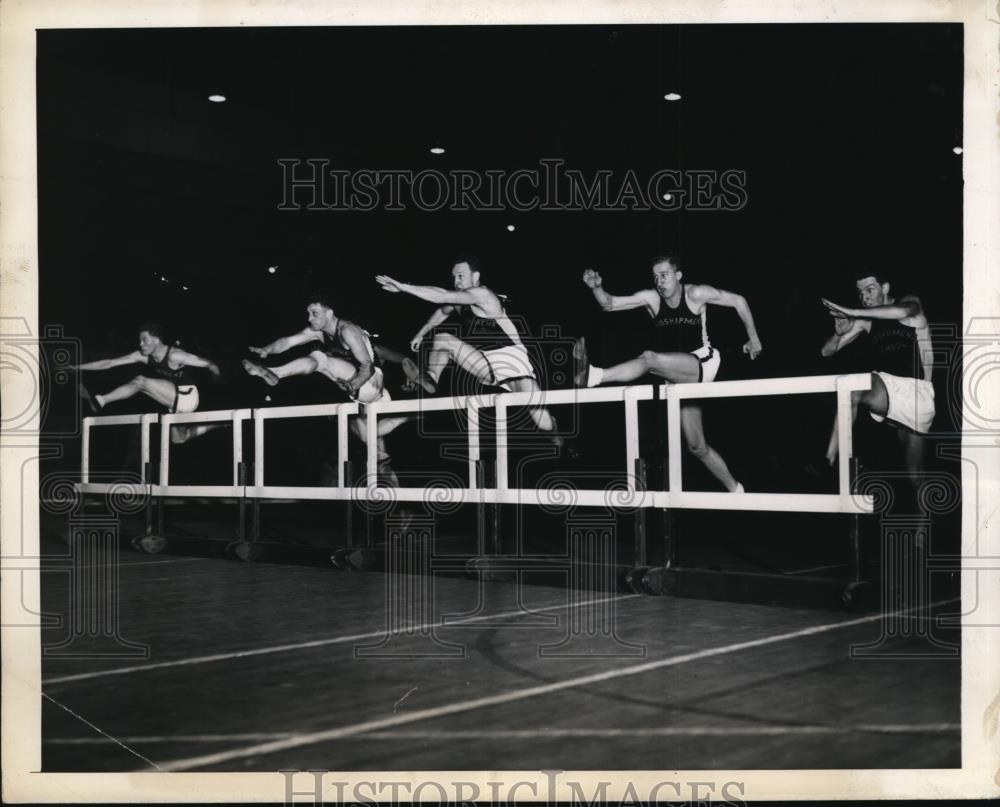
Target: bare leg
159, 389
449, 348
913, 446
694, 436
358, 427
674, 367
542, 417
181, 434
876, 400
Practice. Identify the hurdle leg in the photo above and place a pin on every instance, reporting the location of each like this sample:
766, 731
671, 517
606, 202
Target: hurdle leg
495, 538
635, 577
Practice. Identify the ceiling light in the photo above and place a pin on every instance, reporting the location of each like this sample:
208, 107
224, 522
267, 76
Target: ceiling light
272, 269
957, 149
437, 150
672, 96
184, 287
510, 228
216, 98
667, 196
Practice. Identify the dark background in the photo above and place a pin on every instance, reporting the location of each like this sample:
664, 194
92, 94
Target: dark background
845, 133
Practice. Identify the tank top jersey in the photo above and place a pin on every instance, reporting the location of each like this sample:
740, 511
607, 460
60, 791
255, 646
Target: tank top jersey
334, 346
483, 333
895, 347
680, 330
161, 369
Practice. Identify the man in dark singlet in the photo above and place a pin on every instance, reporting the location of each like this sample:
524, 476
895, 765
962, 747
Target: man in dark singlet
682, 354
489, 348
345, 356
901, 391
167, 379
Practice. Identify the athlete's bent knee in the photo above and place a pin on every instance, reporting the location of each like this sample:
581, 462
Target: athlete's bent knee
699, 450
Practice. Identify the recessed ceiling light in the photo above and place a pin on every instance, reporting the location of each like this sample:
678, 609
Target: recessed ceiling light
437, 150
672, 96
163, 278
668, 196
184, 287
510, 228
216, 98
272, 269
957, 149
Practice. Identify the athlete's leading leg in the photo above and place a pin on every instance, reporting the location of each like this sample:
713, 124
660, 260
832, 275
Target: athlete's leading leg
449, 348
159, 389
875, 399
694, 437
272, 375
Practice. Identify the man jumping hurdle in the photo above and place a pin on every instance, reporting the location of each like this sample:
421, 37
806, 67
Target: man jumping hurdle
345, 356
166, 379
682, 352
489, 346
901, 392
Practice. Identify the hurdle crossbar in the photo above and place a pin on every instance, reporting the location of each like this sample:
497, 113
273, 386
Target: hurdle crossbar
630, 495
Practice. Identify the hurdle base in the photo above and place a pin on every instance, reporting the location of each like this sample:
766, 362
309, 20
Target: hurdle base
167, 544
789, 591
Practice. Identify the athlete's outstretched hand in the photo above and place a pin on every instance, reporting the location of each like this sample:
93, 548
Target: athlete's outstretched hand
389, 284
592, 278
842, 325
834, 309
753, 347
260, 351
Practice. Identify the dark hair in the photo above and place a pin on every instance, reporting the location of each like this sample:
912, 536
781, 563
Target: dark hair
320, 298
475, 264
871, 271
154, 329
669, 257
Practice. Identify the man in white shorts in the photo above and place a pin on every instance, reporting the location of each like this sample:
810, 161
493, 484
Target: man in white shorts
167, 379
901, 392
489, 347
346, 357
682, 354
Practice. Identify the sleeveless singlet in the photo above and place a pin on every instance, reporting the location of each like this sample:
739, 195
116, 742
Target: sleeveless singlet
680, 330
340, 350
482, 333
160, 369
896, 350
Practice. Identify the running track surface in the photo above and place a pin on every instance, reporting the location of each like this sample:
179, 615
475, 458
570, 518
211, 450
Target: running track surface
261, 667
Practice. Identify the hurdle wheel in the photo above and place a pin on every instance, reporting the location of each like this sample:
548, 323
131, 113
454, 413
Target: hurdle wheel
149, 544
857, 596
339, 557
243, 550
654, 581
633, 579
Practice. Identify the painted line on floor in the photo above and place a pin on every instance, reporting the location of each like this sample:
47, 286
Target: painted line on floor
459, 707
284, 648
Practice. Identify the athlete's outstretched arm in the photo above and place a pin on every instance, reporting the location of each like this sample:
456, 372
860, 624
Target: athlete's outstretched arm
609, 302
433, 294
135, 357
709, 294
904, 308
354, 339
286, 343
191, 360
435, 319
845, 331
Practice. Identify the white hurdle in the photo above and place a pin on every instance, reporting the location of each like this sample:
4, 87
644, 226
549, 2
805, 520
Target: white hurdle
844, 501
143, 422
632, 495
